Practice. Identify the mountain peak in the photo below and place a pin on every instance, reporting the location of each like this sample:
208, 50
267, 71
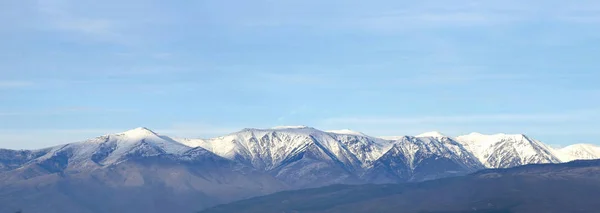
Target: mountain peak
580, 151
582, 145
139, 132
433, 134
474, 134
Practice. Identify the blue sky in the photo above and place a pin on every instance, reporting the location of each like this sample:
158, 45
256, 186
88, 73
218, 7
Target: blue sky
70, 70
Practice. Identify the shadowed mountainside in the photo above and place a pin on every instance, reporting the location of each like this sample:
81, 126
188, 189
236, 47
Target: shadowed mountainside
550, 188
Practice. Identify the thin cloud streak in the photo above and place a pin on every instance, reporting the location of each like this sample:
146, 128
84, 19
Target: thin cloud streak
423, 15
64, 111
196, 130
446, 77
16, 84
60, 18
463, 119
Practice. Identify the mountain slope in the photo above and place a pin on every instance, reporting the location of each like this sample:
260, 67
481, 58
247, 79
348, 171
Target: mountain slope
12, 159
504, 151
127, 172
299, 156
97, 152
550, 188
422, 158
580, 151
307, 157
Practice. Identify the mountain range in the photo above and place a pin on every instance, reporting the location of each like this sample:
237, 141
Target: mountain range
143, 171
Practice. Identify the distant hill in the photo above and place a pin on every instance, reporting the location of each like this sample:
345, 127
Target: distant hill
548, 188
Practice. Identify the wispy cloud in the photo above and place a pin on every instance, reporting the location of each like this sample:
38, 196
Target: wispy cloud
292, 113
16, 84
144, 55
59, 15
460, 75
115, 22
450, 75
137, 71
291, 78
65, 111
393, 17
557, 127
400, 16
410, 20
196, 130
582, 18
475, 118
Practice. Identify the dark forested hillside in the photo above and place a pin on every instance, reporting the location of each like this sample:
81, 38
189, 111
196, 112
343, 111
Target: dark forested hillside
559, 188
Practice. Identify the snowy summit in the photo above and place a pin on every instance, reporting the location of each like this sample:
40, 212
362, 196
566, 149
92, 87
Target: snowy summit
433, 134
290, 127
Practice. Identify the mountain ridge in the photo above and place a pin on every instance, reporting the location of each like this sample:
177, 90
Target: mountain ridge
486, 143
251, 162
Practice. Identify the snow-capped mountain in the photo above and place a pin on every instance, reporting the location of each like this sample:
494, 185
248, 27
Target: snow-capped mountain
301, 156
108, 150
579, 151
304, 156
510, 150
138, 165
505, 150
428, 156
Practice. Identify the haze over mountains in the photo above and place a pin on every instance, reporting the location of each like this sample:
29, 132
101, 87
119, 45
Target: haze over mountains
186, 175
